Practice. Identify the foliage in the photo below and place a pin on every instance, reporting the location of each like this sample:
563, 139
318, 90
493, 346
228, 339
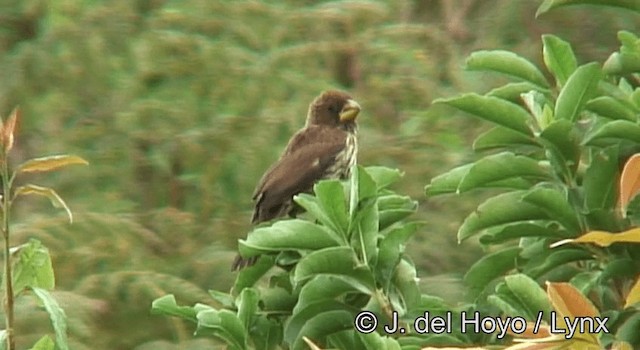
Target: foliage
347, 257
560, 146
27, 267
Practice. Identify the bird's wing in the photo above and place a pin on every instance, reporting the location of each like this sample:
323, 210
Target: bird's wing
308, 155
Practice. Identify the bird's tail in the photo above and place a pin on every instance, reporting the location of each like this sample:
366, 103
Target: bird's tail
240, 263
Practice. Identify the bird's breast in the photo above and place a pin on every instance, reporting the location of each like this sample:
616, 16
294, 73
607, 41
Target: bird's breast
345, 159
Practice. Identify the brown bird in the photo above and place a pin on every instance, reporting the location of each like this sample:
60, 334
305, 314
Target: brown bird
326, 148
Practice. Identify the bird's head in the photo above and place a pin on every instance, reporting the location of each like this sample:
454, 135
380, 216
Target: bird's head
333, 108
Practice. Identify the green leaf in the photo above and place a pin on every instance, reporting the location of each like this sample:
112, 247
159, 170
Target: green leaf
57, 316
549, 5
488, 268
49, 163
405, 294
294, 326
580, 87
500, 137
493, 109
499, 210
247, 277
516, 230
365, 230
167, 305
513, 91
447, 182
390, 251
325, 287
376, 341
330, 195
555, 203
561, 141
32, 267
336, 261
45, 343
292, 234
223, 324
508, 63
617, 129
393, 208
224, 299
500, 167
362, 188
267, 334
383, 176
600, 192
543, 263
612, 108
54, 198
530, 295
622, 63
247, 306
322, 323
558, 57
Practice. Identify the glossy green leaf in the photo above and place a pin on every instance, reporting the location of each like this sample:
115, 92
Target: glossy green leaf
499, 210
56, 315
223, 324
247, 277
45, 343
549, 5
499, 137
376, 341
518, 230
611, 108
322, 325
500, 167
488, 268
383, 176
330, 194
32, 267
558, 57
405, 294
513, 91
617, 129
585, 281
295, 326
580, 87
288, 235
600, 191
267, 333
222, 298
622, 63
362, 187
508, 63
365, 230
390, 251
324, 287
167, 305
561, 140
447, 182
555, 203
493, 109
557, 257
530, 295
247, 304
336, 261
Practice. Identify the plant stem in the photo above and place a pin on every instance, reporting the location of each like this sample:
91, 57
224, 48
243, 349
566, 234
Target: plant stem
8, 279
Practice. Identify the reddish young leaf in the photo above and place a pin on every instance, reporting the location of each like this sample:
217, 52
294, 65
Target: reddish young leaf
629, 182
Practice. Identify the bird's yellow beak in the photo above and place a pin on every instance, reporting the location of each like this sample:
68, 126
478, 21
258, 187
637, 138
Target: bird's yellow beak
350, 111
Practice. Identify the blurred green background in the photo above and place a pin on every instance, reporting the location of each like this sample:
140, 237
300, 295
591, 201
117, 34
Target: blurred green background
181, 105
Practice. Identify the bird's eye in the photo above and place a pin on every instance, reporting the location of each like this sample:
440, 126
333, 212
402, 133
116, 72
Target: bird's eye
333, 109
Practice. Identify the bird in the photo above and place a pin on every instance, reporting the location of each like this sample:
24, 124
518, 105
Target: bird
325, 148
